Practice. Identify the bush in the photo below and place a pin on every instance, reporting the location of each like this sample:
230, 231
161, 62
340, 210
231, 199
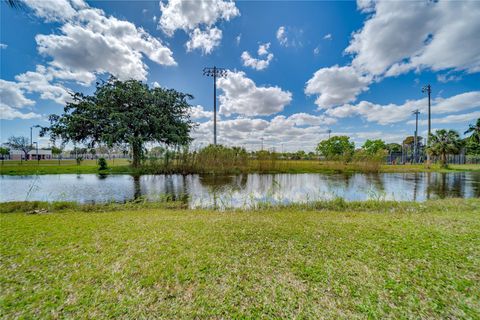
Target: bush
102, 164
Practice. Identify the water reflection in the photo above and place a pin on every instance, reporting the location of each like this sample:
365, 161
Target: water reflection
241, 190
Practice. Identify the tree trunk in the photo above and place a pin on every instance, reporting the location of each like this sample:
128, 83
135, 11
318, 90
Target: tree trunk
137, 153
443, 160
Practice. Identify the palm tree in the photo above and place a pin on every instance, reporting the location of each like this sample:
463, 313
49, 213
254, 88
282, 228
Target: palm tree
475, 129
444, 142
17, 4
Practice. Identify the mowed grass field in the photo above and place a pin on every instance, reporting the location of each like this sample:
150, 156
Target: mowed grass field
253, 166
386, 260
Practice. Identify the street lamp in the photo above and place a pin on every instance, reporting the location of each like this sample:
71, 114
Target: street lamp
36, 144
31, 129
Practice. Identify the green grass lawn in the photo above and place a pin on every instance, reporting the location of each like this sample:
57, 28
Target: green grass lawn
391, 261
279, 166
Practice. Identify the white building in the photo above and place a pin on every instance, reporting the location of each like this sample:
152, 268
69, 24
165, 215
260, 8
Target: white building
43, 154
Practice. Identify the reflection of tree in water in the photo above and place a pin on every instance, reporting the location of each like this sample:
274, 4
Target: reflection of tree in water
137, 191
376, 180
218, 184
475, 176
444, 185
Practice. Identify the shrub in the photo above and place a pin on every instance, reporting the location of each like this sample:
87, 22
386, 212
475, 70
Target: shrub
102, 164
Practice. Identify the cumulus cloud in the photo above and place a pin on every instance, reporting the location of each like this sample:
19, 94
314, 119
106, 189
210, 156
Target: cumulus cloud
12, 100
393, 113
198, 112
336, 85
454, 118
197, 18
258, 64
399, 37
242, 96
55, 10
281, 131
204, 40
39, 81
91, 42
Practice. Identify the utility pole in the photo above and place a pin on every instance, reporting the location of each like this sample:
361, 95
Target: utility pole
214, 72
415, 140
428, 89
329, 131
262, 143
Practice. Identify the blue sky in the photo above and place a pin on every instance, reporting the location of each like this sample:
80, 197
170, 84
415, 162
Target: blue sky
297, 69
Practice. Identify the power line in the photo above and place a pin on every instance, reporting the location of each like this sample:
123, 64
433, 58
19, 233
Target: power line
214, 72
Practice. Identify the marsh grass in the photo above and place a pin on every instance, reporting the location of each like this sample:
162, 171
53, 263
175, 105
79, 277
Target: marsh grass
331, 260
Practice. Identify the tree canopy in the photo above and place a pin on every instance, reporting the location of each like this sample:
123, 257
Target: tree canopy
124, 112
336, 147
20, 143
444, 142
374, 146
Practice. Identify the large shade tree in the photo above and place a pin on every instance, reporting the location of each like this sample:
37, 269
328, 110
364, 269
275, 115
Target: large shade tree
124, 112
444, 142
336, 147
21, 144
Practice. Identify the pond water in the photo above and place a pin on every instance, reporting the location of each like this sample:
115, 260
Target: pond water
240, 190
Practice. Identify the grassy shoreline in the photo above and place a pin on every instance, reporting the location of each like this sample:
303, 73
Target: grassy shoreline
121, 166
390, 260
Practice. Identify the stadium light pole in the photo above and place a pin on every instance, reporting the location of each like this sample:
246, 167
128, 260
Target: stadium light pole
214, 72
329, 131
415, 140
428, 89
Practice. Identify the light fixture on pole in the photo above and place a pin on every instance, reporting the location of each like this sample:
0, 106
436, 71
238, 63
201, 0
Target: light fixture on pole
215, 72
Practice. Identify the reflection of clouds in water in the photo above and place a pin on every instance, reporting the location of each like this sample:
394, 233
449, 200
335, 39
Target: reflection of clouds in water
241, 190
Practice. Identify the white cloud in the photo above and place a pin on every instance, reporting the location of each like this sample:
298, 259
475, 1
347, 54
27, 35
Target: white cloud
155, 84
328, 37
457, 118
11, 94
392, 113
289, 36
198, 112
316, 51
279, 131
336, 85
40, 81
55, 10
399, 37
8, 113
242, 96
204, 40
198, 16
258, 64
3, 46
282, 36
92, 42
12, 99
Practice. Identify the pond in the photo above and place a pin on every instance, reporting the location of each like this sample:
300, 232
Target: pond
242, 190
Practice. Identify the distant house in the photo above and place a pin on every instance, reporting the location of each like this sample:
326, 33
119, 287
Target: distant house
43, 154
